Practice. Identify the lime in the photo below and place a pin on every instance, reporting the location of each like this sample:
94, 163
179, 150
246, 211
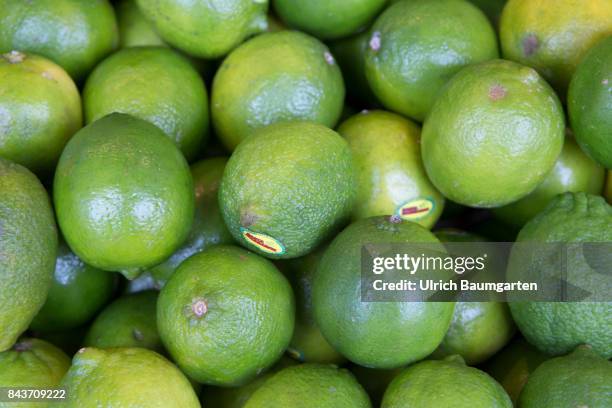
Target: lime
275, 77
28, 246
203, 28
41, 110
123, 195
390, 174
590, 102
125, 377
416, 46
310, 385
134, 29
574, 171
328, 19
287, 188
75, 34
493, 134
77, 292
225, 315
554, 39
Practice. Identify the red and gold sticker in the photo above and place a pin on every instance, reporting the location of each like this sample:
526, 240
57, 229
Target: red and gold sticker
417, 209
263, 242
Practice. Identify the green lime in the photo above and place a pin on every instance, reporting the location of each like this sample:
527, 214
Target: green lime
416, 46
127, 322
553, 38
580, 379
31, 363
493, 134
308, 344
75, 34
374, 380
328, 19
77, 292
225, 315
574, 171
391, 179
123, 195
310, 385
155, 84
41, 110
287, 188
134, 29
445, 383
513, 365
275, 77
203, 28
374, 334
28, 246
125, 377
590, 101
558, 327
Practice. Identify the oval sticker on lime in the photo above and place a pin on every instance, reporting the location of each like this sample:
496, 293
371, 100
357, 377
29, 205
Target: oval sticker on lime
263, 242
416, 209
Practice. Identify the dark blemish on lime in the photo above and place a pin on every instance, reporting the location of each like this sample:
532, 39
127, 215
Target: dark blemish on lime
530, 45
497, 92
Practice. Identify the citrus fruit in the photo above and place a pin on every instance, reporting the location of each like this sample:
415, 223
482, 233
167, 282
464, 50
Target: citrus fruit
374, 334
513, 365
574, 171
155, 84
328, 19
590, 100
374, 380
558, 327
493, 134
275, 77
308, 344
77, 292
390, 174
416, 46
125, 377
41, 110
553, 38
206, 29
130, 321
75, 34
580, 379
134, 29
310, 385
28, 246
225, 315
123, 195
31, 363
287, 188
445, 383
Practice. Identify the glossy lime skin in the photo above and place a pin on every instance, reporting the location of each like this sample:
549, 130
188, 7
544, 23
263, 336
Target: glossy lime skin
206, 29
574, 171
558, 327
125, 377
275, 77
374, 334
225, 315
328, 19
310, 385
123, 195
129, 321
390, 173
155, 84
134, 29
77, 292
553, 40
445, 383
28, 242
580, 379
37, 118
417, 46
75, 34
493, 134
589, 103
31, 363
291, 181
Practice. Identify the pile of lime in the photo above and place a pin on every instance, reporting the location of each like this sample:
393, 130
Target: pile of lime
189, 191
